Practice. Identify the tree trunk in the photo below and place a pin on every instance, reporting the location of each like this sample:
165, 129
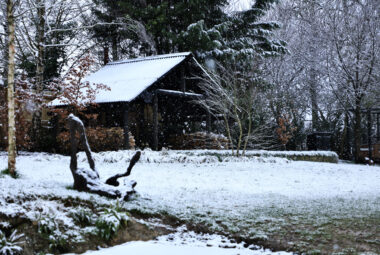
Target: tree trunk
208, 122
10, 98
115, 55
313, 98
229, 133
313, 82
378, 127
37, 115
343, 140
357, 128
248, 132
369, 133
3, 94
6, 55
238, 120
106, 57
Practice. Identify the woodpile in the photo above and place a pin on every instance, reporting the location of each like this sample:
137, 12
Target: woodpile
199, 140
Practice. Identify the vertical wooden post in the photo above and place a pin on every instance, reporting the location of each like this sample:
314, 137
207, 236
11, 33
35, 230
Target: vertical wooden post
155, 122
349, 138
378, 127
126, 126
106, 57
140, 128
369, 126
183, 81
55, 131
208, 122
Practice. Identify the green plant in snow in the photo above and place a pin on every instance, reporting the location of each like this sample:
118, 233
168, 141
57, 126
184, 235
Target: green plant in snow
118, 207
69, 187
49, 229
10, 245
6, 172
110, 221
83, 217
46, 226
58, 242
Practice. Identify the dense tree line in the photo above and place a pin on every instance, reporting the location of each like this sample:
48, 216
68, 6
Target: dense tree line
293, 60
333, 67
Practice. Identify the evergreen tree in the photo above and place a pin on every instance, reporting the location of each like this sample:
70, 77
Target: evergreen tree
164, 21
119, 32
110, 34
168, 19
239, 37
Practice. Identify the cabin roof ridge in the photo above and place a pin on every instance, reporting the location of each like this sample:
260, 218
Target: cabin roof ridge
150, 58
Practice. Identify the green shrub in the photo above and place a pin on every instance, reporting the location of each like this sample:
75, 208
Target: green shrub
109, 222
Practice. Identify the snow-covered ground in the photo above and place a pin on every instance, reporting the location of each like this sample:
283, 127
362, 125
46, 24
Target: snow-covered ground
233, 197
186, 243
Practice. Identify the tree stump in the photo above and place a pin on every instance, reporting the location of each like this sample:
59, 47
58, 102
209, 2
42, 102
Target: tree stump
88, 180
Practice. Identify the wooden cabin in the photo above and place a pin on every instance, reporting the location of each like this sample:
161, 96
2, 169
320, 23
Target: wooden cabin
365, 153
151, 98
370, 150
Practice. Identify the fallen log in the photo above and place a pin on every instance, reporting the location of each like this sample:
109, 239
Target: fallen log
88, 179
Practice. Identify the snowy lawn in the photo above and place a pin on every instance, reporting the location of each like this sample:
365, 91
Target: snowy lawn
185, 243
281, 204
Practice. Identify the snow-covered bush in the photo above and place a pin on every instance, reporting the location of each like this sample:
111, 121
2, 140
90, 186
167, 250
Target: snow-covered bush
10, 245
110, 221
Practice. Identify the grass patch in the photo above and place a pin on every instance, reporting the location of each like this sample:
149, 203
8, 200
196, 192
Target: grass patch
301, 227
6, 172
69, 187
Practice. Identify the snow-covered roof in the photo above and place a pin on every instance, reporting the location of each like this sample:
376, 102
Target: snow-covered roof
129, 78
